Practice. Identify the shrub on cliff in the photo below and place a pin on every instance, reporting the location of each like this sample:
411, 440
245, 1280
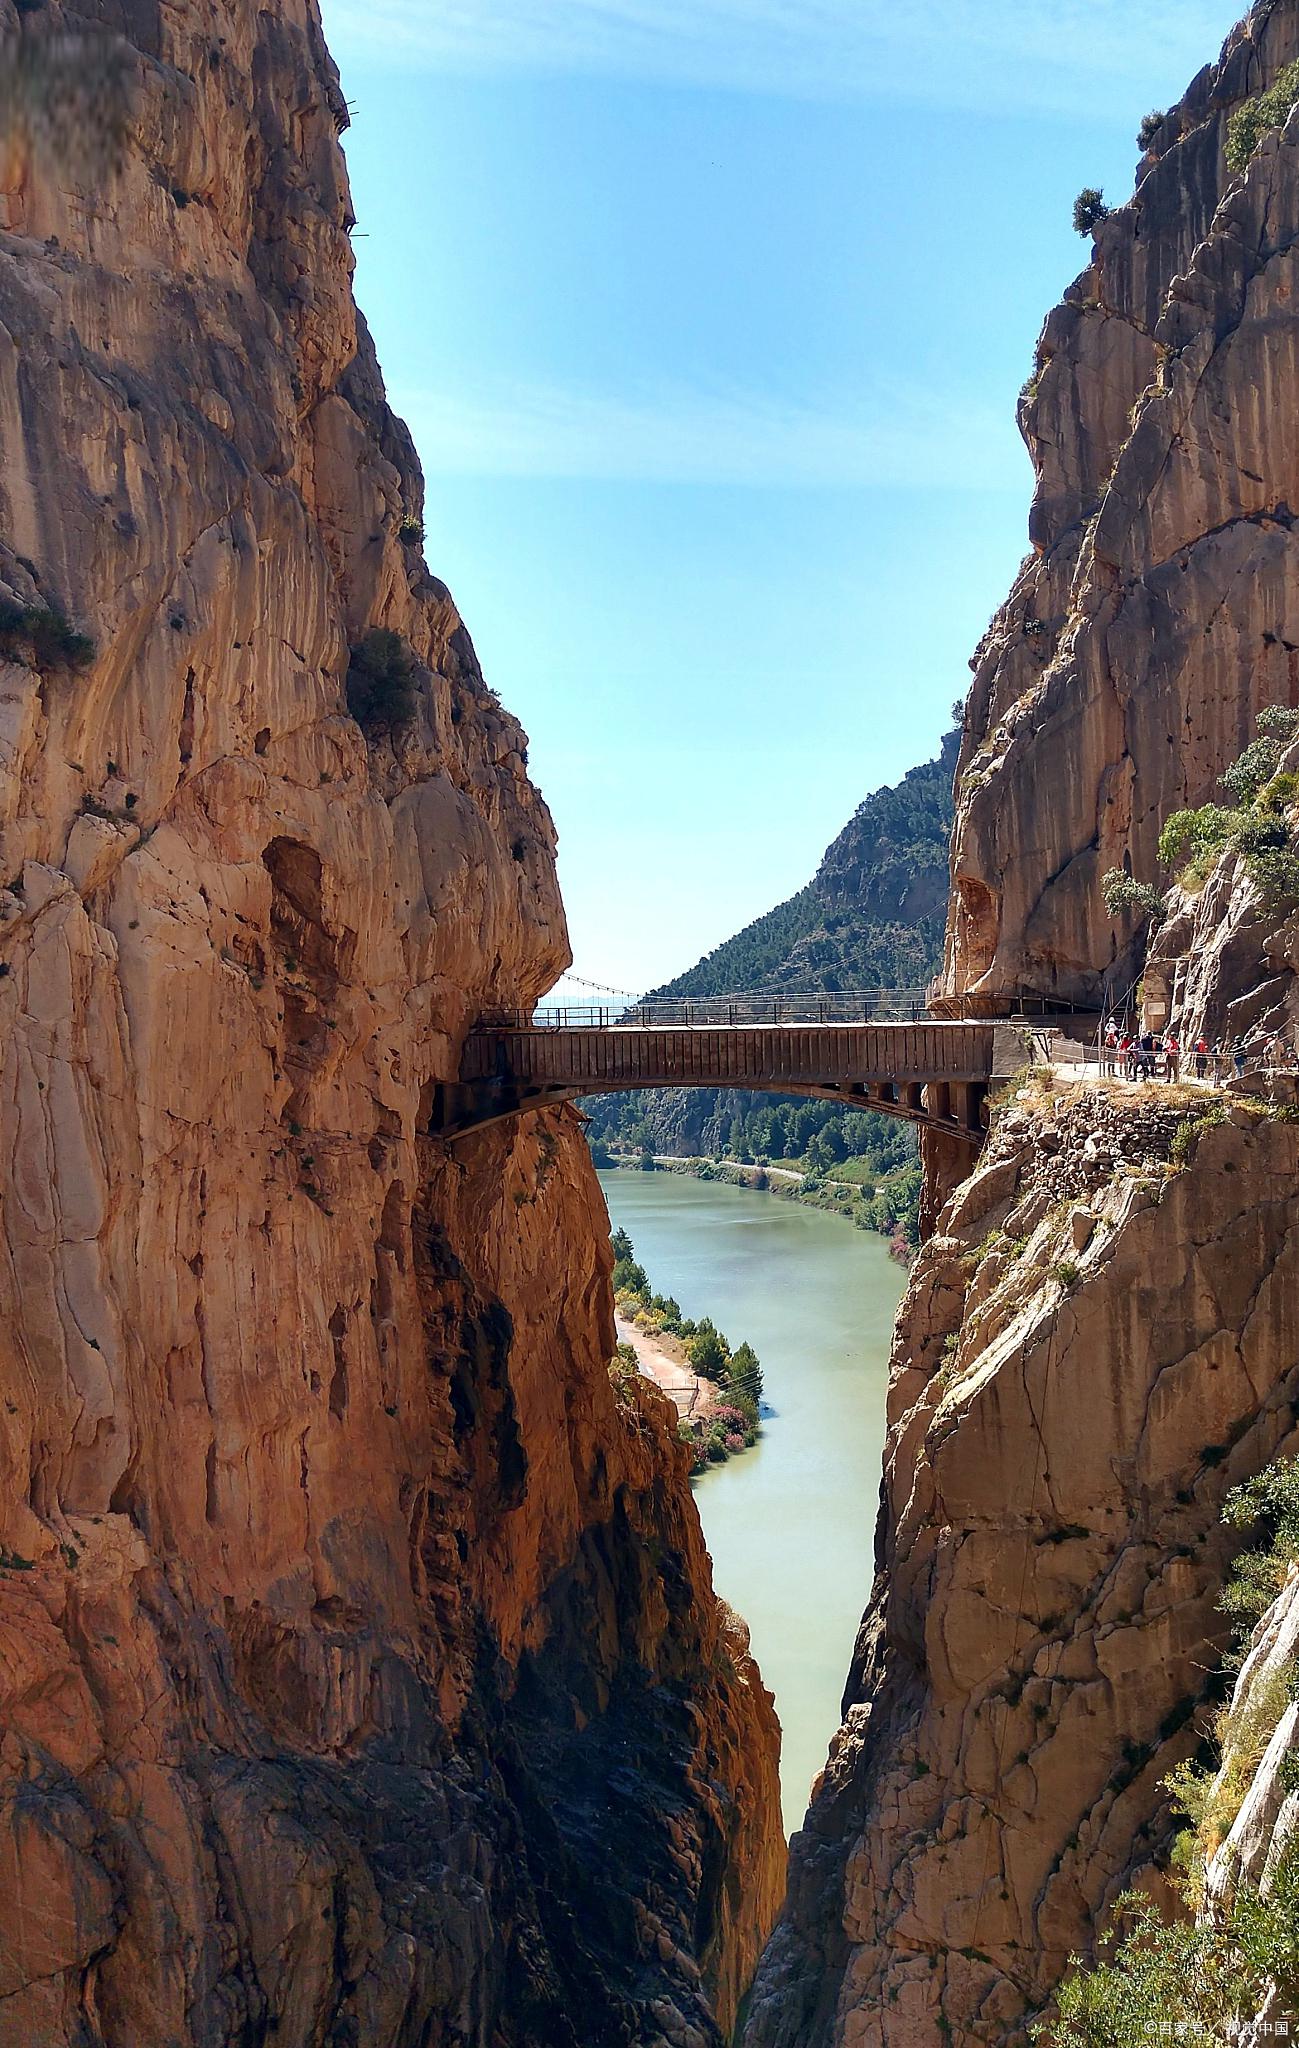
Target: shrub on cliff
1150, 126
1124, 892
1089, 210
1271, 109
1257, 827
45, 635
1159, 1981
1268, 1505
381, 682
1204, 1979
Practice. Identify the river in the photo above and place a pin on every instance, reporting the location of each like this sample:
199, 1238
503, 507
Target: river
791, 1523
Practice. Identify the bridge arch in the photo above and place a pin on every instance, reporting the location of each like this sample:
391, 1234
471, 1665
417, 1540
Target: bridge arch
926, 1070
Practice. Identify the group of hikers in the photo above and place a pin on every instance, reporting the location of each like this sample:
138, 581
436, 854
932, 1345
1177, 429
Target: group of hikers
1145, 1055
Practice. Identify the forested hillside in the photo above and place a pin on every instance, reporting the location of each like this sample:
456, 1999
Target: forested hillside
871, 918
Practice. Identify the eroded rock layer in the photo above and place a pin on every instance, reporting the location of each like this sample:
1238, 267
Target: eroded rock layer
360, 1676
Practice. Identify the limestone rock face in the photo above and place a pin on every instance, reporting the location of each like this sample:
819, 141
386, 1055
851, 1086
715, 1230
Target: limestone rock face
360, 1675
1156, 614
1226, 957
1263, 1831
1099, 1340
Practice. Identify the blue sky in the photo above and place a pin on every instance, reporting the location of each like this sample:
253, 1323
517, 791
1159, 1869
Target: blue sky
709, 318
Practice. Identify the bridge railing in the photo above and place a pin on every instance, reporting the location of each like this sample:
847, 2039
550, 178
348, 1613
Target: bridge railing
864, 1006
856, 1006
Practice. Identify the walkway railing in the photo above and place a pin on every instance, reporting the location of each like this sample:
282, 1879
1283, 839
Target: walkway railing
857, 1006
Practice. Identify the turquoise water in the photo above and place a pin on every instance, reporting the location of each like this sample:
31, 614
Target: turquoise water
790, 1524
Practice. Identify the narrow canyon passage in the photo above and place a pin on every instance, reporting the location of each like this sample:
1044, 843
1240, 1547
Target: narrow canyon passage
790, 1524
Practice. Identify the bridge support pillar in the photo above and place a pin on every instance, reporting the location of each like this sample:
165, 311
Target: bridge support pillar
967, 1105
938, 1101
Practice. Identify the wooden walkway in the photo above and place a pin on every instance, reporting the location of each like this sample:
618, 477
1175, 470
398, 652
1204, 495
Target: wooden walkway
929, 1072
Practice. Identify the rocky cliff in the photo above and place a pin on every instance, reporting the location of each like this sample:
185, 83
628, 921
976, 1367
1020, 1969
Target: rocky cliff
1154, 617
1099, 1338
360, 1676
1257, 1776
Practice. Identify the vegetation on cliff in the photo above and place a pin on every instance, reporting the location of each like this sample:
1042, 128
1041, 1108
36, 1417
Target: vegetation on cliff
1208, 1975
1258, 825
381, 682
1270, 109
41, 633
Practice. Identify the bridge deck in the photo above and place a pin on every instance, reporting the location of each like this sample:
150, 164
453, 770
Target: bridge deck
722, 1056
929, 1071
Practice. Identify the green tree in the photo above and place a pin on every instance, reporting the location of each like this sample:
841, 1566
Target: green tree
745, 1373
1123, 893
381, 682
1089, 210
630, 1278
707, 1351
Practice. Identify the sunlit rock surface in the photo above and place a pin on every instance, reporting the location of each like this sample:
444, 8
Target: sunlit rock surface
1096, 1344
1100, 1336
1156, 614
360, 1676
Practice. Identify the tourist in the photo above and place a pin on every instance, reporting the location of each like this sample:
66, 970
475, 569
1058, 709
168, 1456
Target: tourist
1172, 1057
1109, 1063
1146, 1045
1238, 1058
1201, 1057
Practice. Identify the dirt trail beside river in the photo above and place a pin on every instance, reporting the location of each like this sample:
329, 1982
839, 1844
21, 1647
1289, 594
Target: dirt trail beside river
691, 1395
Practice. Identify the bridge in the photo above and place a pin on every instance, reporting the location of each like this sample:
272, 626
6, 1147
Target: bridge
875, 1049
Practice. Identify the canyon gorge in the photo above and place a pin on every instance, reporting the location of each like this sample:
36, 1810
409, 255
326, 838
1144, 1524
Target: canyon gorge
361, 1676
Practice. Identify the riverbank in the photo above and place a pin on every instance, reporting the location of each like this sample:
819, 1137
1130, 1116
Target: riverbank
716, 1390
889, 1207
663, 1360
790, 1524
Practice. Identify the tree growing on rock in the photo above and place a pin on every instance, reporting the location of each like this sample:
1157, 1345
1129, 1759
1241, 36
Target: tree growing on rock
1089, 210
381, 682
1124, 893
